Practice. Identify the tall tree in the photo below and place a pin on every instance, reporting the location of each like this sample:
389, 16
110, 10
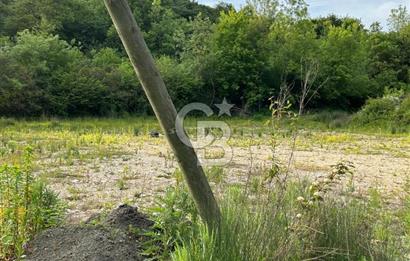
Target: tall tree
399, 18
239, 59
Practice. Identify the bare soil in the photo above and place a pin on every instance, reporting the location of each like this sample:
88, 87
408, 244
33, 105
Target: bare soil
112, 239
145, 171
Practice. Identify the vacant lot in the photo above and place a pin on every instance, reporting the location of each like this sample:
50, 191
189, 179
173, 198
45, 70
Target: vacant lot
99, 164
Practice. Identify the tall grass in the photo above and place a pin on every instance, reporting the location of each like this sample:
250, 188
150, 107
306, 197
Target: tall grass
270, 224
26, 207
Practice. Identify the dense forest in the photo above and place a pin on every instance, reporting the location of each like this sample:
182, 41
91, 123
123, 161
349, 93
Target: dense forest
64, 58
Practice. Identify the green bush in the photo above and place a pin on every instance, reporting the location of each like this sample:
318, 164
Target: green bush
377, 110
44, 75
182, 81
29, 81
403, 113
391, 112
27, 206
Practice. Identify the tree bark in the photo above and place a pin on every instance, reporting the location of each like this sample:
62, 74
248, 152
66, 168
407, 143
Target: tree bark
164, 109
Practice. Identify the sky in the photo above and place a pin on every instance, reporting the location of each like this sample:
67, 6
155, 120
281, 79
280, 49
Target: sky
368, 11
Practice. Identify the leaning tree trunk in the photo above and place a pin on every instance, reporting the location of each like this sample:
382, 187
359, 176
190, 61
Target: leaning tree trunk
164, 109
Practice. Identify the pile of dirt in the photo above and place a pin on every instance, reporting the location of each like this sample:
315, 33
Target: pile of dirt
125, 216
102, 238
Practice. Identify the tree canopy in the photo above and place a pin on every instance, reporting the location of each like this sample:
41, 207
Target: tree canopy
64, 58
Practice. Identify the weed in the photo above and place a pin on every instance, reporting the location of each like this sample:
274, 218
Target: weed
121, 184
215, 174
26, 207
175, 217
75, 193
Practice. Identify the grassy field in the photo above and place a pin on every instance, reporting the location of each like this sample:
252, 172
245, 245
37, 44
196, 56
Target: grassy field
97, 164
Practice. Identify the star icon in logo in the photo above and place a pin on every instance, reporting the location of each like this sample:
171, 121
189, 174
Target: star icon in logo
224, 108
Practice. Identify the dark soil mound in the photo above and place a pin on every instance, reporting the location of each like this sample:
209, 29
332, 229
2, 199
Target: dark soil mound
112, 239
125, 216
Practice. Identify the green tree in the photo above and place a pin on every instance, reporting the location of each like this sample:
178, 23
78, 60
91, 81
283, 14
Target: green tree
88, 25
294, 58
345, 60
42, 58
389, 58
183, 82
238, 57
399, 18
19, 96
125, 94
28, 14
168, 31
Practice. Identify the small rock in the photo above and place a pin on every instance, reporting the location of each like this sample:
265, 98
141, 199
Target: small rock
154, 134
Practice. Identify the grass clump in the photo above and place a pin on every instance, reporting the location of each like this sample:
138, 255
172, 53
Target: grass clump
271, 223
176, 220
27, 206
275, 229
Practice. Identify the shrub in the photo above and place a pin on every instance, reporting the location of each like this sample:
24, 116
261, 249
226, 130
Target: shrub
391, 112
27, 206
30, 78
403, 113
44, 75
377, 110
